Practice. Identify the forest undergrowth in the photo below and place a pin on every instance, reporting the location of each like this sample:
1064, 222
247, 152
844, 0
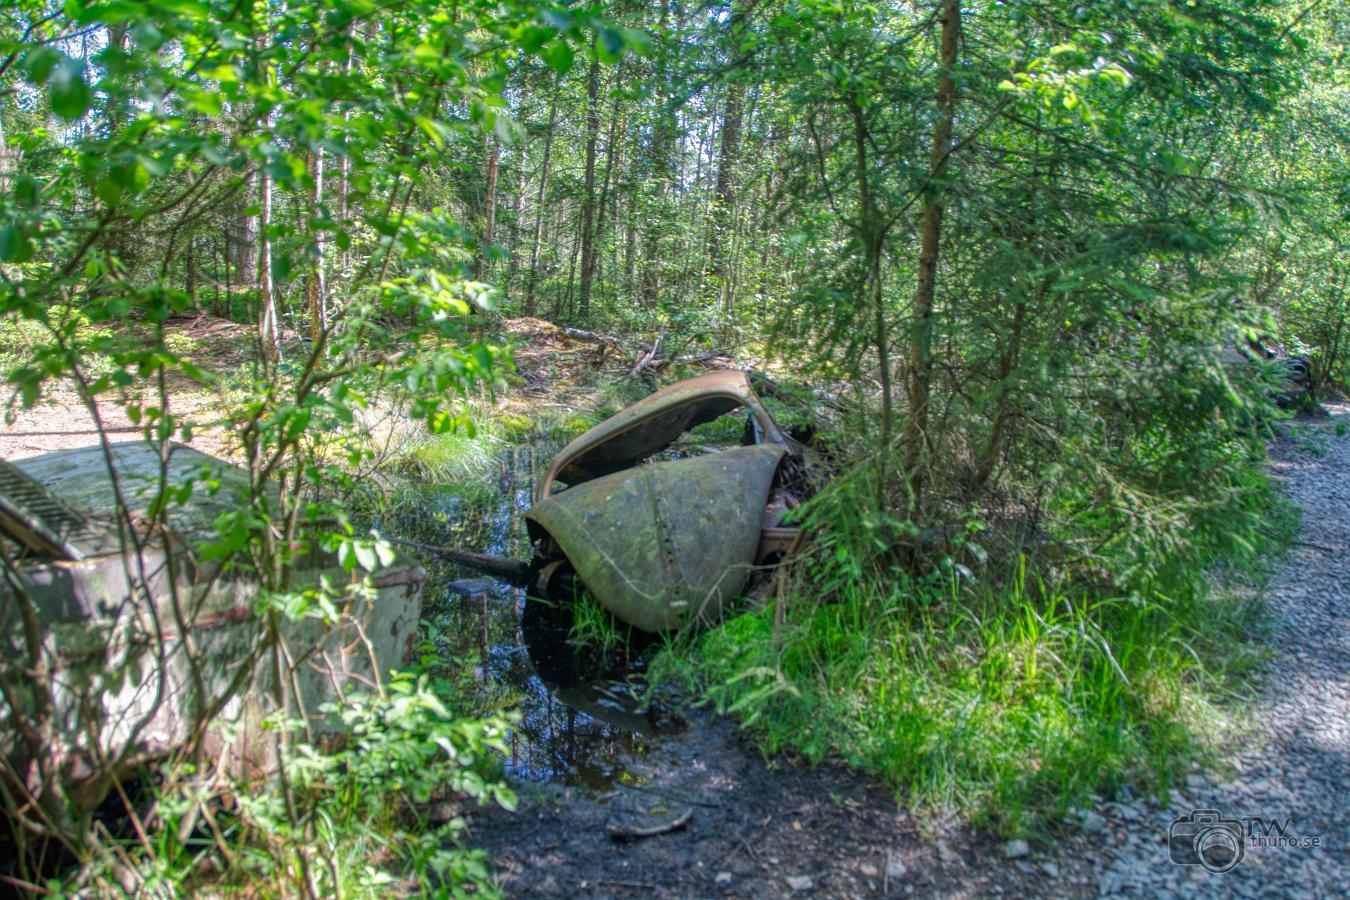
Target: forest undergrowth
1013, 685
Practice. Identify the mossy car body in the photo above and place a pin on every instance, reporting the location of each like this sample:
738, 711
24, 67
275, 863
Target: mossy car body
135, 634
665, 543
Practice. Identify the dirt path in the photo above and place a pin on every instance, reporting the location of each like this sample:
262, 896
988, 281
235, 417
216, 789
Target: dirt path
60, 421
757, 831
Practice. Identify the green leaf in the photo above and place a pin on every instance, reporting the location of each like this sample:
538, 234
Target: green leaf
109, 191
559, 56
433, 129
208, 103
609, 43
70, 95
26, 191
39, 63
14, 245
532, 37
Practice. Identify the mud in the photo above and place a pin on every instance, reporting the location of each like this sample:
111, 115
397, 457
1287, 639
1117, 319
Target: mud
759, 829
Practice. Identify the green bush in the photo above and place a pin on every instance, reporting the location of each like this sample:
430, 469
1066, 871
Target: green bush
1107, 651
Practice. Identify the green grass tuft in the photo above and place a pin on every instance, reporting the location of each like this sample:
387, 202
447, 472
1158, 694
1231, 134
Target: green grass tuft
1015, 705
465, 454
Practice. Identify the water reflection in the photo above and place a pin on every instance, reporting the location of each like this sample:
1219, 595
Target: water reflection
578, 721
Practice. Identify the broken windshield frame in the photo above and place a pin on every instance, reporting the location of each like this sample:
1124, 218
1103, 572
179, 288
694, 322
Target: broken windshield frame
653, 424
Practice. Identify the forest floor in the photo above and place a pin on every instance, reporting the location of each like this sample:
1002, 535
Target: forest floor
763, 829
61, 421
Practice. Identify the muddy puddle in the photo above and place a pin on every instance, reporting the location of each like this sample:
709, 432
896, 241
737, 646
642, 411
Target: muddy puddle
577, 726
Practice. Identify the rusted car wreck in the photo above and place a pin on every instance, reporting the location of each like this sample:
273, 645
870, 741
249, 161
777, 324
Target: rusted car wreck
663, 541
109, 644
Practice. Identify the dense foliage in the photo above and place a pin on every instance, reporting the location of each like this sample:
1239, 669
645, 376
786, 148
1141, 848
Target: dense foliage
1022, 248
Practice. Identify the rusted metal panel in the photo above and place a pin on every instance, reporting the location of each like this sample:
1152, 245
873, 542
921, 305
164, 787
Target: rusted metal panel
120, 630
666, 544
81, 480
653, 424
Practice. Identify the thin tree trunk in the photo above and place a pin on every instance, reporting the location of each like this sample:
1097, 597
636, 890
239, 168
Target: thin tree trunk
723, 212
344, 162
228, 261
246, 261
873, 240
269, 330
513, 229
921, 338
588, 192
190, 276
316, 294
533, 277
571, 277
490, 204
8, 162
629, 256
610, 145
215, 282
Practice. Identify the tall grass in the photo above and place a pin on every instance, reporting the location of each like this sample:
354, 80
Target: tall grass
1014, 704
467, 453
1015, 697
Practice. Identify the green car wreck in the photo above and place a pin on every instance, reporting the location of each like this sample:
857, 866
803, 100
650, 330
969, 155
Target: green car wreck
118, 648
666, 543
662, 543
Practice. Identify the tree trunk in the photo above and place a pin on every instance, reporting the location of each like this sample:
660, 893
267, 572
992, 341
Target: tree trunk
921, 338
490, 205
215, 282
588, 194
566, 298
246, 259
8, 162
227, 260
344, 162
269, 330
533, 277
316, 294
190, 276
612, 140
723, 212
513, 229
873, 239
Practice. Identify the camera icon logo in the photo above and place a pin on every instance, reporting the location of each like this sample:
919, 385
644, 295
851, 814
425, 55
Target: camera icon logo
1203, 837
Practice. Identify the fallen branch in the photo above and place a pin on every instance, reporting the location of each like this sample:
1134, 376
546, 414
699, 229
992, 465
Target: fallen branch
583, 335
628, 833
649, 356
689, 359
512, 570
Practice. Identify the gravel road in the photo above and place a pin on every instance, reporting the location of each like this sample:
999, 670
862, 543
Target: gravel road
1297, 769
